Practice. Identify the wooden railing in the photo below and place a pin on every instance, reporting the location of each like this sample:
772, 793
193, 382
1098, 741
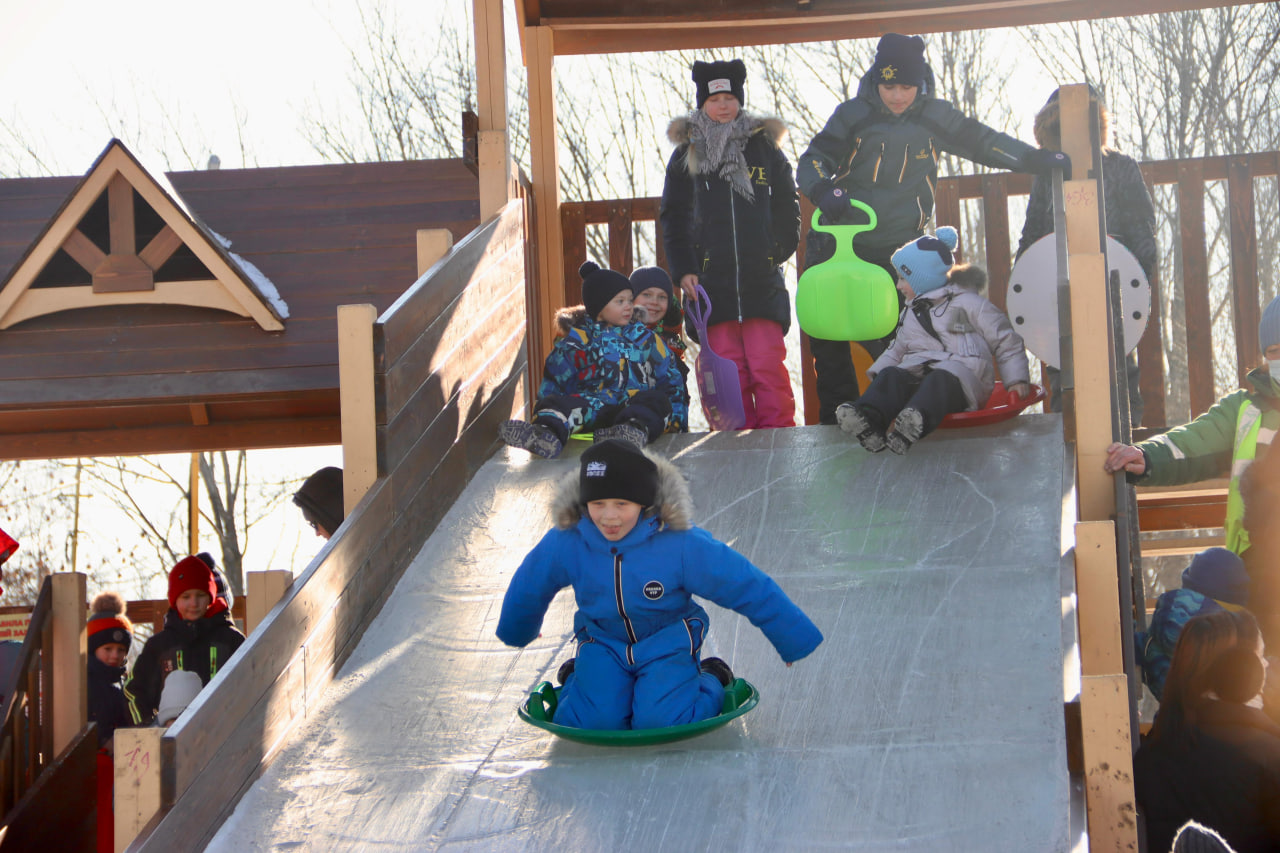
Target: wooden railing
48, 766
449, 366
994, 191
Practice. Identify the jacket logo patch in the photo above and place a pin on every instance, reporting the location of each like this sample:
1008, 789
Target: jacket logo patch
596, 469
653, 590
923, 155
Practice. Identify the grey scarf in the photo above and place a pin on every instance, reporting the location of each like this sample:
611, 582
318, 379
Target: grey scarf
720, 149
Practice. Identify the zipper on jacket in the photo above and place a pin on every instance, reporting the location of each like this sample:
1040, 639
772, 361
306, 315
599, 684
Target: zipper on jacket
875, 173
737, 262
622, 607
906, 153
848, 164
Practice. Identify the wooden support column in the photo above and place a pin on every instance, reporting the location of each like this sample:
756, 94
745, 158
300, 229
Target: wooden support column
137, 781
265, 590
70, 688
493, 148
355, 390
433, 244
1104, 692
540, 53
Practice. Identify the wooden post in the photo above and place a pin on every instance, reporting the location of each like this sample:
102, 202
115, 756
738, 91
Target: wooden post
70, 688
137, 781
540, 53
433, 244
1104, 694
265, 589
355, 390
193, 506
491, 105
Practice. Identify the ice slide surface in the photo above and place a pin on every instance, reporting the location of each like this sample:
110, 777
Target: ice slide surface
931, 718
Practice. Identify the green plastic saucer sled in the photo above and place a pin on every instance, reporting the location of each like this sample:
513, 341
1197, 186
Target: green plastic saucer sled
846, 298
739, 698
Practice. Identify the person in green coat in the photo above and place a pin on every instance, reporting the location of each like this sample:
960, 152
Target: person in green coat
1224, 441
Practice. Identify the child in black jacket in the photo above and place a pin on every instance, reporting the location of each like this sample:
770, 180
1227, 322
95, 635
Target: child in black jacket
199, 636
110, 635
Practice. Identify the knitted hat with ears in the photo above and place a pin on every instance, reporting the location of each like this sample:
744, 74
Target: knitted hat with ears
712, 78
925, 261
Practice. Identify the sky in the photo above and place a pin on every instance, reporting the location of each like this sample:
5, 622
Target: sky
64, 62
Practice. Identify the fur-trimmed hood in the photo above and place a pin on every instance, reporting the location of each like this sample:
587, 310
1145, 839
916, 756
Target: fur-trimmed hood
774, 129
968, 277
673, 507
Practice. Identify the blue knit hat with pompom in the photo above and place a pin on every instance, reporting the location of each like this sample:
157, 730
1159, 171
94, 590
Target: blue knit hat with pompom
924, 262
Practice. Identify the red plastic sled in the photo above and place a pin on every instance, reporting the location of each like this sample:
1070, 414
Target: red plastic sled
1001, 406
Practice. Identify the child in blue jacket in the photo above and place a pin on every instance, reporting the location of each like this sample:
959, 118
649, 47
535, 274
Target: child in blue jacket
635, 561
608, 373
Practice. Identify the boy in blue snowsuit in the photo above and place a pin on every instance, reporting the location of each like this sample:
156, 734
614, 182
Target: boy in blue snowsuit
635, 561
608, 372
1215, 580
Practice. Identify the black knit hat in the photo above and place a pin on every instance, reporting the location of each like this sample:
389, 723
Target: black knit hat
899, 59
712, 78
599, 286
614, 468
320, 499
643, 278
108, 622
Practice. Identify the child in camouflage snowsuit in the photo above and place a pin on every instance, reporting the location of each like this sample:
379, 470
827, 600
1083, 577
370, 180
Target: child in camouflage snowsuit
608, 373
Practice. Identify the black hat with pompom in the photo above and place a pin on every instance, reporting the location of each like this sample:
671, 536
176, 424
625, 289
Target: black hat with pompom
599, 286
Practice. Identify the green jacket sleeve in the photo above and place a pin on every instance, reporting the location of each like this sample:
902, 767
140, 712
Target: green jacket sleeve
1196, 451
972, 139
829, 149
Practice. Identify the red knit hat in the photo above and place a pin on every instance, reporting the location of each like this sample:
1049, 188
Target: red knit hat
191, 573
107, 623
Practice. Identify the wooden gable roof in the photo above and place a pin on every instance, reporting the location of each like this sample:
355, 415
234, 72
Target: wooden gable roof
143, 229
621, 26
132, 378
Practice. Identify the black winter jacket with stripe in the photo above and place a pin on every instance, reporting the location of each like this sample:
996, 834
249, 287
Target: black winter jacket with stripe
202, 647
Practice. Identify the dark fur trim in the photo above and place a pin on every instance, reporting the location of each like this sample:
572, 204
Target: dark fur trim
774, 129
968, 276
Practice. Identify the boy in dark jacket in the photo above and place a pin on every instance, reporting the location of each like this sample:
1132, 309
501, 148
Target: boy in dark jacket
730, 219
607, 373
625, 542
199, 636
110, 635
882, 148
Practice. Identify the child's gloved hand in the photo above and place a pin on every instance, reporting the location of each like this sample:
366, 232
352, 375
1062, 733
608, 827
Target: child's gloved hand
1019, 391
1042, 161
834, 204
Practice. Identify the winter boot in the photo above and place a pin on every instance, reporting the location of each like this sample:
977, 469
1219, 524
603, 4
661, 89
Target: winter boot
626, 431
907, 429
566, 670
855, 422
719, 669
534, 438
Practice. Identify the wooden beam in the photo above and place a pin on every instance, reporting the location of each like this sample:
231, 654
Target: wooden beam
138, 768
209, 293
161, 248
359, 408
540, 47
120, 223
597, 28
491, 106
433, 244
265, 590
69, 691
83, 251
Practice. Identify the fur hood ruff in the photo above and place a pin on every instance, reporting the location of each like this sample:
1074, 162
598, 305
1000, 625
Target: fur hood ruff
673, 507
678, 132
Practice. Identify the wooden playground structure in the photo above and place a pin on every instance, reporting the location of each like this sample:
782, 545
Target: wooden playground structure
409, 335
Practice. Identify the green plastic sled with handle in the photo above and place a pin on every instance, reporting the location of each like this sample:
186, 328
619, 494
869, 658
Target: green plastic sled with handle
846, 298
739, 698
